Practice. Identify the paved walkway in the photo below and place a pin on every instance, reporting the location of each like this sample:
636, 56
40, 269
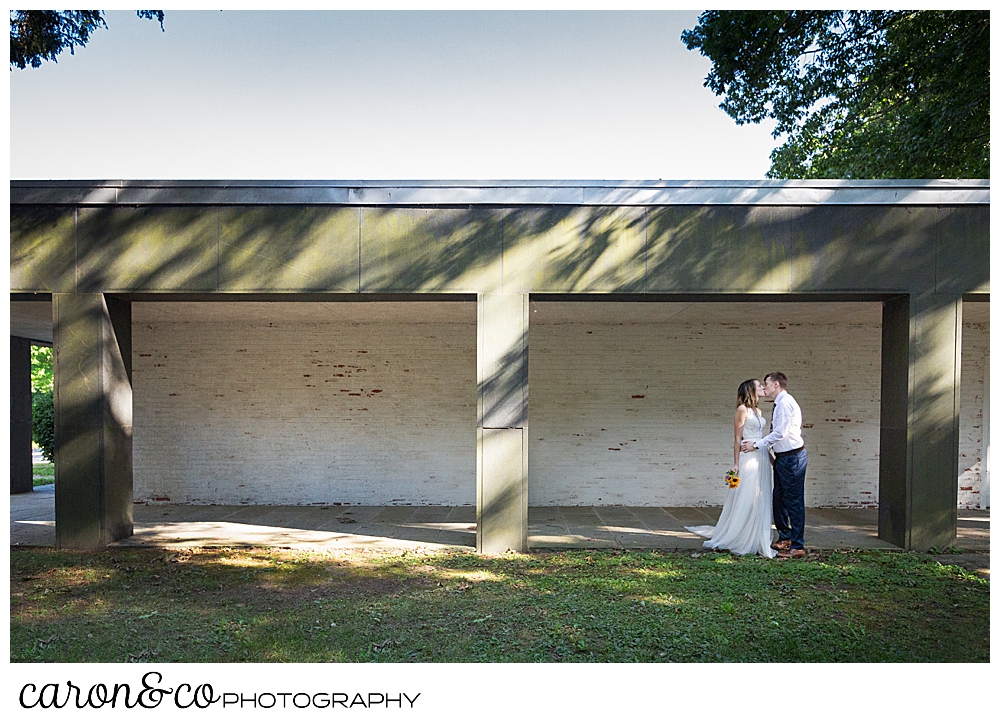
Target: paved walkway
32, 522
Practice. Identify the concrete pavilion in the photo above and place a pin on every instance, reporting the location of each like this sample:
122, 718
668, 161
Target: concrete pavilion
371, 343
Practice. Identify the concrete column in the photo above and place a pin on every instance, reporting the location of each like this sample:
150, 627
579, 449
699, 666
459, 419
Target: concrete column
92, 354
20, 415
502, 434
984, 466
921, 384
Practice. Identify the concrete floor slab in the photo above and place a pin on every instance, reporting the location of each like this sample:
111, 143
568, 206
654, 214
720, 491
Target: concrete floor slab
32, 517
278, 516
455, 538
430, 514
542, 515
536, 532
620, 516
35, 533
223, 534
587, 521
375, 529
654, 518
584, 522
589, 533
360, 514
313, 517
341, 528
693, 516
32, 522
462, 514
187, 513
393, 515
973, 530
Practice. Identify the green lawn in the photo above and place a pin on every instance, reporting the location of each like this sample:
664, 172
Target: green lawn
44, 473
280, 605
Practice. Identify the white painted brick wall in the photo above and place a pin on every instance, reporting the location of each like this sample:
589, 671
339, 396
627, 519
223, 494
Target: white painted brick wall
621, 413
252, 412
642, 414
975, 350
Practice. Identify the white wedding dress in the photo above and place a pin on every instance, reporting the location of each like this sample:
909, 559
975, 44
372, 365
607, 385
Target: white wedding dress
744, 526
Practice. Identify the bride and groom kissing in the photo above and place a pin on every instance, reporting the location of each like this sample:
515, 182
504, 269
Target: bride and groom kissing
772, 472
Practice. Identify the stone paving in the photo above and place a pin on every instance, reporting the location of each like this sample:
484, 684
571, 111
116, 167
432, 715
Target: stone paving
32, 522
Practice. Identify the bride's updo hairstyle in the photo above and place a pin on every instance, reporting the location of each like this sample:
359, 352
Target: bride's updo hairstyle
747, 394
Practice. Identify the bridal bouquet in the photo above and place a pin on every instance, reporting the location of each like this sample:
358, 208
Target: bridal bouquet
732, 479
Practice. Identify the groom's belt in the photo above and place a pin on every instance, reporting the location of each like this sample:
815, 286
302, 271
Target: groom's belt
791, 451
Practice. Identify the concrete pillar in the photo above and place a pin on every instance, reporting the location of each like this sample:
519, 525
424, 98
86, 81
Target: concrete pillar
921, 384
20, 415
502, 434
984, 474
92, 355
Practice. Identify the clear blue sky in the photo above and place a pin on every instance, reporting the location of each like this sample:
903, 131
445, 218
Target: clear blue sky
381, 95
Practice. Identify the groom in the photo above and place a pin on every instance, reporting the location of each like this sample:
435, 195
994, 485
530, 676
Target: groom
790, 460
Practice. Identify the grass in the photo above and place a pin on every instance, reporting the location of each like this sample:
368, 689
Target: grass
230, 605
44, 473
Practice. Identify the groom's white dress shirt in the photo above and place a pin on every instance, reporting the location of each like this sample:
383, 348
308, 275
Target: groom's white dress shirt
786, 425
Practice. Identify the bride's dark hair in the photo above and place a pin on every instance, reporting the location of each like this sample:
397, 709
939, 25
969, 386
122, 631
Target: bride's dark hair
747, 394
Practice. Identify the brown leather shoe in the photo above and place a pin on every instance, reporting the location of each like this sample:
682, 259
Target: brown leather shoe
781, 544
788, 554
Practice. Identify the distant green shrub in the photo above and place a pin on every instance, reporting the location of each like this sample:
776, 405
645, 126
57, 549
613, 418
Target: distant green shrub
41, 369
42, 423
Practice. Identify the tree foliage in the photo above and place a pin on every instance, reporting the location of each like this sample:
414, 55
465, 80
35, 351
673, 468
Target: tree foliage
37, 35
41, 369
42, 419
857, 94
43, 423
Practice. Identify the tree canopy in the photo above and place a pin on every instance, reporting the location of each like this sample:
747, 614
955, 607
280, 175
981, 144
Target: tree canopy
37, 35
41, 369
42, 424
857, 94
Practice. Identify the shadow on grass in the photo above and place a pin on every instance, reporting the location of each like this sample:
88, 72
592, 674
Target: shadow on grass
232, 605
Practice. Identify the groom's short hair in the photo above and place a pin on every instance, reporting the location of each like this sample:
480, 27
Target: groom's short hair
778, 377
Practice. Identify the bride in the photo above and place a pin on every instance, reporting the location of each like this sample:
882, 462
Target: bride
745, 524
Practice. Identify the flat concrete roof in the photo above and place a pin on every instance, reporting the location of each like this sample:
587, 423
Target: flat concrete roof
500, 193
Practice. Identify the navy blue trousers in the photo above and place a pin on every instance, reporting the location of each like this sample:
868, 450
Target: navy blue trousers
788, 500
